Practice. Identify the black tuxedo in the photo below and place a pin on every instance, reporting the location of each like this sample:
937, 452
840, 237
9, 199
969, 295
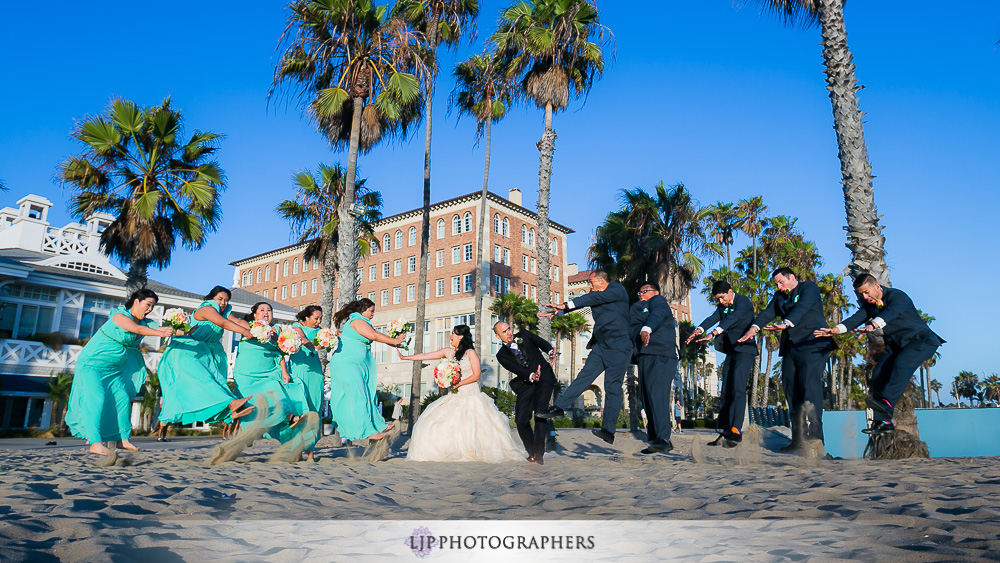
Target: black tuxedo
532, 396
734, 321
610, 350
803, 355
657, 362
909, 342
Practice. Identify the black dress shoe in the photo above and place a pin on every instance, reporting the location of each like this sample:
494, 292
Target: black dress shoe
538, 460
604, 435
658, 447
717, 441
880, 427
880, 405
551, 413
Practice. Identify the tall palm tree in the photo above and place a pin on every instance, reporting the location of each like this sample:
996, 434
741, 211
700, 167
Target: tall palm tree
991, 388
964, 386
936, 387
516, 310
557, 44
437, 21
751, 212
137, 166
483, 90
314, 215
925, 368
723, 219
59, 386
659, 237
358, 69
864, 233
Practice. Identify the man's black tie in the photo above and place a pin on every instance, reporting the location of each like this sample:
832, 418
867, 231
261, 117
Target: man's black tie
520, 356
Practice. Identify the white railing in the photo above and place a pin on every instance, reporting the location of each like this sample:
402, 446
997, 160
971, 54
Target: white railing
61, 241
32, 354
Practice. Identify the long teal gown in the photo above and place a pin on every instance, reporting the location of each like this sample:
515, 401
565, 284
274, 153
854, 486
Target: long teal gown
356, 410
192, 375
107, 377
257, 372
307, 371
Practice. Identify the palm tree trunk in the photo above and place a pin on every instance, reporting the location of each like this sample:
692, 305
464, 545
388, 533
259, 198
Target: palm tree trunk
546, 147
425, 222
482, 285
864, 234
135, 279
347, 245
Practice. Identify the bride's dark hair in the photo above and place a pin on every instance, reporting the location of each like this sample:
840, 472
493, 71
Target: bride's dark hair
466, 343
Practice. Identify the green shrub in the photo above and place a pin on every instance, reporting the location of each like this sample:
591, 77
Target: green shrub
504, 400
562, 422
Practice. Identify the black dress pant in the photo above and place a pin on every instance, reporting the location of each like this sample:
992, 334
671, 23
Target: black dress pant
802, 381
532, 399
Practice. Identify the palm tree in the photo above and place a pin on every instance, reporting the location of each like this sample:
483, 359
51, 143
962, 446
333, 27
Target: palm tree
59, 386
658, 237
864, 233
557, 44
315, 215
483, 90
964, 386
570, 325
751, 212
358, 69
137, 167
936, 387
991, 388
835, 304
723, 219
516, 310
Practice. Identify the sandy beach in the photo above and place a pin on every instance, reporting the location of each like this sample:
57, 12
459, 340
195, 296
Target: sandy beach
56, 504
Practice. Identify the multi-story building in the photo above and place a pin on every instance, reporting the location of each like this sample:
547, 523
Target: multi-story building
56, 289
389, 274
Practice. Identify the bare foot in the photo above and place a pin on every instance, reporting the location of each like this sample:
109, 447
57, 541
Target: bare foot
99, 449
375, 437
127, 445
388, 428
235, 404
242, 413
310, 456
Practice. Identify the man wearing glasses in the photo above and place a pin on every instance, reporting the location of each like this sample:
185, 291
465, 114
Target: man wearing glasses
610, 349
734, 315
654, 335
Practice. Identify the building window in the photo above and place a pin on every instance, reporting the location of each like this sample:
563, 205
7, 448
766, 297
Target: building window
506, 285
411, 264
305, 265
284, 271
372, 273
456, 284
413, 236
314, 285
385, 270
534, 293
497, 285
295, 290
386, 243
524, 234
267, 273
303, 291
556, 275
456, 225
497, 254
534, 266
315, 263
397, 267
554, 247
558, 300
385, 297
506, 257
505, 228
265, 293
439, 288
467, 282
258, 275
524, 290
375, 247
531, 237
399, 239
395, 295
468, 221
284, 291
496, 223
357, 276
371, 296
468, 253
411, 292
295, 266
456, 254
524, 262
440, 228
440, 258
427, 290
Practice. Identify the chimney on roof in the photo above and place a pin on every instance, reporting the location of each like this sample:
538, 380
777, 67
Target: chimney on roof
572, 269
514, 196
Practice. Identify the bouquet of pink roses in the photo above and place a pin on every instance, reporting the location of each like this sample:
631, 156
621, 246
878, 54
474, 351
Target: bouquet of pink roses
325, 339
289, 341
398, 327
447, 373
177, 319
261, 331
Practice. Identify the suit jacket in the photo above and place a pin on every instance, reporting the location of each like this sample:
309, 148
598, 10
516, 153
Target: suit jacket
656, 314
803, 307
535, 349
610, 311
734, 320
903, 324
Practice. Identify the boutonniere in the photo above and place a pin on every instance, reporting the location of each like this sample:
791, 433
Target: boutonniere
796, 300
519, 341
727, 310
646, 310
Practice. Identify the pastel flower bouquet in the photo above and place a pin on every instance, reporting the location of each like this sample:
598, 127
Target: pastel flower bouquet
398, 327
325, 339
261, 331
447, 374
177, 319
289, 341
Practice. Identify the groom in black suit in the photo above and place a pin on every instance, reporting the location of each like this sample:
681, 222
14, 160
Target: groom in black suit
654, 333
523, 354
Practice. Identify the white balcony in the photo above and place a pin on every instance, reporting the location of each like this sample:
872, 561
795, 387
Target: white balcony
30, 354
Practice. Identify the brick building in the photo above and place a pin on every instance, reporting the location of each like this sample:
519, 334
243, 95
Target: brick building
389, 274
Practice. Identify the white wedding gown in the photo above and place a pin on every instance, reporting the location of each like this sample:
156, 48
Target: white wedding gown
463, 426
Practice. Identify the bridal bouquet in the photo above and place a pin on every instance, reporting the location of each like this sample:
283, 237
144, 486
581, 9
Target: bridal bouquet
289, 341
261, 331
177, 319
325, 339
447, 373
398, 327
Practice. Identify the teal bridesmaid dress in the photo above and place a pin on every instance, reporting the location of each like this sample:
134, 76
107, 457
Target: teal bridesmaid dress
108, 374
307, 371
356, 410
193, 374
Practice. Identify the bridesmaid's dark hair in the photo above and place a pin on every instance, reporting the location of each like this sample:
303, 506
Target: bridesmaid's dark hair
358, 306
307, 312
217, 290
466, 343
140, 295
249, 317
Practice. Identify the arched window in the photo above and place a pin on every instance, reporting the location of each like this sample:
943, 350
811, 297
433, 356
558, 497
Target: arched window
440, 228
505, 229
413, 236
243, 279
284, 270
468, 221
305, 265
267, 273
554, 247
295, 266
386, 243
399, 239
258, 275
524, 234
456, 225
496, 223
531, 237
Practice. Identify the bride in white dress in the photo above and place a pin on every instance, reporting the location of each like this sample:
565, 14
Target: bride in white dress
462, 426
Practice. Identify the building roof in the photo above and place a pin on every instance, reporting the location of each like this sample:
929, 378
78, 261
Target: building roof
580, 277
416, 213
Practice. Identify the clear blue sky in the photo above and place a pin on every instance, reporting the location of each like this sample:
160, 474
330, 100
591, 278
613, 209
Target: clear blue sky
724, 99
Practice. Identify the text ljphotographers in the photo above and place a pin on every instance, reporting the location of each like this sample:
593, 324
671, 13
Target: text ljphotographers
429, 542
